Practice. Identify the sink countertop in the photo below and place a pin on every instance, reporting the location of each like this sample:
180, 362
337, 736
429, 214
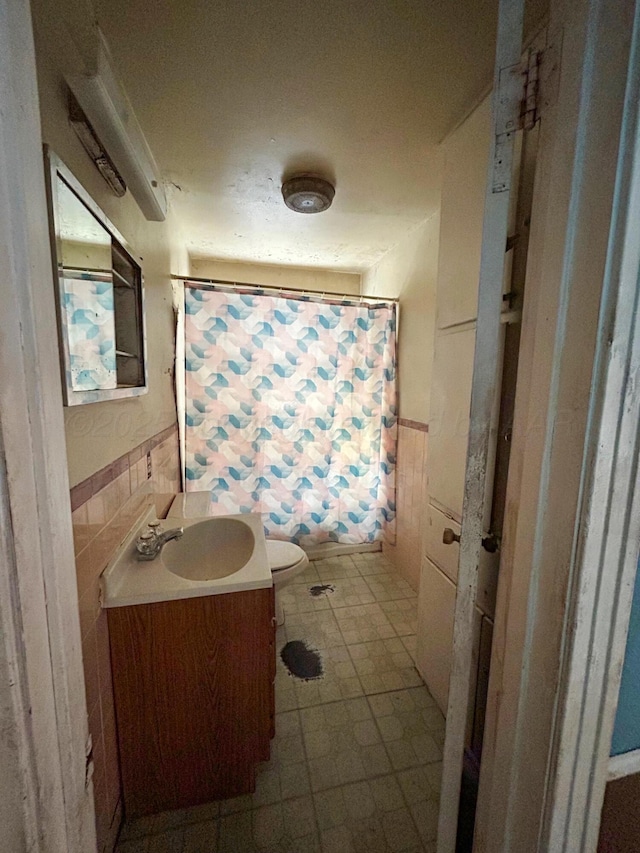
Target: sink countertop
127, 581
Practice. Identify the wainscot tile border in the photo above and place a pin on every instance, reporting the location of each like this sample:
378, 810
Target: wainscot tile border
406, 422
82, 492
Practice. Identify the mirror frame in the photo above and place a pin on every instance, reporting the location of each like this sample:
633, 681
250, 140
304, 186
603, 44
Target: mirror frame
54, 168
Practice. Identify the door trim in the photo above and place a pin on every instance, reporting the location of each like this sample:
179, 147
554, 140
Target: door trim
558, 615
43, 705
608, 528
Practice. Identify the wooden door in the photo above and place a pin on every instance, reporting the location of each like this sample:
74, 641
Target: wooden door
483, 229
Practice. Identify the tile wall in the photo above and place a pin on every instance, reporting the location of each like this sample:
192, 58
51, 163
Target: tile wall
104, 508
411, 500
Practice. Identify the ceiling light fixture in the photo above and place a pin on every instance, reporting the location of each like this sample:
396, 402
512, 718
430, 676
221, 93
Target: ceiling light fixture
307, 194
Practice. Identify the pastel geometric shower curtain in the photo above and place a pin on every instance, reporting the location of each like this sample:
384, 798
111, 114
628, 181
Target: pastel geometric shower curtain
290, 411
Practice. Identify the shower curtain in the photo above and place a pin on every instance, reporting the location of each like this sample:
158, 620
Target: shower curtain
290, 411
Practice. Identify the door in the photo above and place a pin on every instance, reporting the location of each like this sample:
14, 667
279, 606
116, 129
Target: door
478, 299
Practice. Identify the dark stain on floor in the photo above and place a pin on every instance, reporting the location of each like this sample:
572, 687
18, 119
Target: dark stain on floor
302, 661
321, 589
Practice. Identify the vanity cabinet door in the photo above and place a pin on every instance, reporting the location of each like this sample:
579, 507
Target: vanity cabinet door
193, 684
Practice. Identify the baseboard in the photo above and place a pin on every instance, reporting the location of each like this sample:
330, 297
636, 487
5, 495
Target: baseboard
336, 549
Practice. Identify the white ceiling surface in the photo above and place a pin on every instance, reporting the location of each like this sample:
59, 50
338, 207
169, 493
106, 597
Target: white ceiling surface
233, 96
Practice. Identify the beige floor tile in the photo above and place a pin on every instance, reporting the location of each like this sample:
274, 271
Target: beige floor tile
400, 832
337, 840
426, 748
416, 785
425, 815
391, 728
350, 592
402, 754
337, 568
330, 808
287, 723
267, 786
167, 842
235, 805
288, 749
299, 817
309, 577
433, 719
268, 826
335, 716
320, 630
201, 838
286, 699
294, 780
296, 599
372, 683
375, 760
350, 766
386, 793
368, 835
359, 800
236, 833
410, 643
366, 733
305, 844
323, 774
434, 774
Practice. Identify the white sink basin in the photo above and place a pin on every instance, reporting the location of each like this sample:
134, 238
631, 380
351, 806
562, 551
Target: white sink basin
215, 555
210, 549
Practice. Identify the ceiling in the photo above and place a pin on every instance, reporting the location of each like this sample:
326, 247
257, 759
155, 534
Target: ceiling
233, 96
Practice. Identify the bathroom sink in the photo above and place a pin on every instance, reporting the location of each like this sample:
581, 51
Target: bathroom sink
209, 550
215, 555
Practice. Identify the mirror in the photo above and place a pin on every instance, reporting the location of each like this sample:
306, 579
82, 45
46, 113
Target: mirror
100, 297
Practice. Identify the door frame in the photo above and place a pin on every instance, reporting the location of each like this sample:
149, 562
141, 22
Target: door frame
42, 702
572, 528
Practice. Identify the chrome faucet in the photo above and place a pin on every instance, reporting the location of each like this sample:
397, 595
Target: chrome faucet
151, 543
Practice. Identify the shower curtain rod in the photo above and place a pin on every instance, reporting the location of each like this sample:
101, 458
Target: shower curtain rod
320, 293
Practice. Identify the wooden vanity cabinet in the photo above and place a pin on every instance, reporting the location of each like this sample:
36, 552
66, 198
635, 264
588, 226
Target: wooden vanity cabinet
194, 691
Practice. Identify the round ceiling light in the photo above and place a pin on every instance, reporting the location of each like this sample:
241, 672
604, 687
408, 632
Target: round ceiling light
306, 194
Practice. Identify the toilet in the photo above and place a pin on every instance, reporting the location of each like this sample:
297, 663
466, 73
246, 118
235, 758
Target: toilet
286, 560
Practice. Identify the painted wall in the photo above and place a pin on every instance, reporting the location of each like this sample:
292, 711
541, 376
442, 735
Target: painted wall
408, 272
297, 278
98, 433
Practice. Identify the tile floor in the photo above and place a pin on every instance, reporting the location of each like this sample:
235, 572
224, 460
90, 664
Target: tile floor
356, 760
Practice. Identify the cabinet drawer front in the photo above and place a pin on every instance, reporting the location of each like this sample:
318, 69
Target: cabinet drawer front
436, 605
444, 556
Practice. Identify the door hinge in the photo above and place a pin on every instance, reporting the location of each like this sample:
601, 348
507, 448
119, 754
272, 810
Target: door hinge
525, 90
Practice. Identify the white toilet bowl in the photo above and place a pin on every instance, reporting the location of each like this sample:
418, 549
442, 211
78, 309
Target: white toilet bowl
286, 561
